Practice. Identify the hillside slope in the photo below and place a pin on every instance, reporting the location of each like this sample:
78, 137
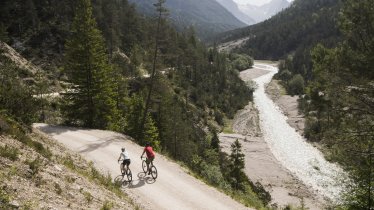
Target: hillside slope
232, 7
208, 17
39, 173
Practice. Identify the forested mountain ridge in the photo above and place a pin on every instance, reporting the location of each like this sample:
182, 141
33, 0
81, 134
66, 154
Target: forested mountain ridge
303, 24
208, 17
98, 52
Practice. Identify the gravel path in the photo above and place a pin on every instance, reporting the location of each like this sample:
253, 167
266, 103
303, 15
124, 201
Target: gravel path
173, 189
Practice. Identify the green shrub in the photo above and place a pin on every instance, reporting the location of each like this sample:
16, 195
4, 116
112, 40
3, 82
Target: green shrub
241, 62
107, 206
58, 189
34, 166
4, 198
312, 129
9, 152
296, 85
88, 197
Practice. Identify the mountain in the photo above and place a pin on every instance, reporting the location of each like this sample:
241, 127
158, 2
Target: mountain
208, 17
232, 7
261, 13
301, 25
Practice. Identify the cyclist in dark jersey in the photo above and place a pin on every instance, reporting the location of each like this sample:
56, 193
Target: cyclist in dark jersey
150, 155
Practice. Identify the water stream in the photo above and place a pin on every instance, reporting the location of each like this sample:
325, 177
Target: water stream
291, 149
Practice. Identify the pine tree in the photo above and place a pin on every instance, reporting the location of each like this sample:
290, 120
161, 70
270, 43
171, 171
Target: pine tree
90, 100
237, 165
215, 141
151, 133
161, 10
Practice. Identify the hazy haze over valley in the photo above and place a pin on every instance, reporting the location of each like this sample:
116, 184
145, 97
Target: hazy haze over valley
255, 2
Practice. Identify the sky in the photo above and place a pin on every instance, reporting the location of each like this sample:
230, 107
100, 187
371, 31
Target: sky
254, 2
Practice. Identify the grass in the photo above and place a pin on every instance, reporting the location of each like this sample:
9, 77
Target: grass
9, 152
94, 175
4, 198
248, 198
88, 197
227, 128
20, 132
34, 165
107, 206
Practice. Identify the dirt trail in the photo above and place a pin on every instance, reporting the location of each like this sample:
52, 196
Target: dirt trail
173, 189
260, 163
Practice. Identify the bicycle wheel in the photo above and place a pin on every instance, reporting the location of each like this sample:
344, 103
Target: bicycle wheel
129, 175
122, 169
154, 172
144, 166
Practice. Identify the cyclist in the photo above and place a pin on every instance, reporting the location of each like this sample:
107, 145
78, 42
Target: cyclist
126, 159
150, 156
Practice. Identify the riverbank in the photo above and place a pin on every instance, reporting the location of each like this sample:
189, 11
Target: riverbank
260, 163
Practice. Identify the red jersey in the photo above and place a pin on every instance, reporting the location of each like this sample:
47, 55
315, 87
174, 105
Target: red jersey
149, 152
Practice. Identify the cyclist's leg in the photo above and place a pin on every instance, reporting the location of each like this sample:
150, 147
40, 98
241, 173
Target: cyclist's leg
147, 161
123, 167
151, 162
128, 165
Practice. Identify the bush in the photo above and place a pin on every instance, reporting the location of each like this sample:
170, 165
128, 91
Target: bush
107, 206
58, 189
9, 152
312, 129
4, 198
241, 62
88, 197
34, 166
296, 85
284, 75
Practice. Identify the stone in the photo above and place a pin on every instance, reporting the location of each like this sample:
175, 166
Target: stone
58, 168
14, 204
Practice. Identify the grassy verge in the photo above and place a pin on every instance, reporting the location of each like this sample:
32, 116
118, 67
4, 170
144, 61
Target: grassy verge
227, 128
94, 175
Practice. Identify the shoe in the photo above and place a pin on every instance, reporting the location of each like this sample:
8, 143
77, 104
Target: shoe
149, 173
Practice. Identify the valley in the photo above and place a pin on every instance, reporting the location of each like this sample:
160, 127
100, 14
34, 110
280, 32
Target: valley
247, 104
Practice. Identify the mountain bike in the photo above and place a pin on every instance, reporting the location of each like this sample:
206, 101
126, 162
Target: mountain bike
152, 168
125, 172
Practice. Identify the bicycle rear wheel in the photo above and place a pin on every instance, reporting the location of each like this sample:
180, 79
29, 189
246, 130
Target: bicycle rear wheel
129, 175
144, 166
154, 172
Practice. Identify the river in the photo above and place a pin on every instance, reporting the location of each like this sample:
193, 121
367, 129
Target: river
291, 149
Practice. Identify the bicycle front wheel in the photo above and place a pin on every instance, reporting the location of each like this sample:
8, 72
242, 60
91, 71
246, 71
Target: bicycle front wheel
144, 166
154, 172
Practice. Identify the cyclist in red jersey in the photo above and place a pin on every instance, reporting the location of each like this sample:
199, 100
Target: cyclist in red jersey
150, 155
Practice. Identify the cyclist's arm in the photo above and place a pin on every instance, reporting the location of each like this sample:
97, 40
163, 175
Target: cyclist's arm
119, 157
142, 154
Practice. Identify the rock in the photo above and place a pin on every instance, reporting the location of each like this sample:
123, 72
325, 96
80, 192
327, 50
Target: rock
14, 204
72, 195
58, 168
